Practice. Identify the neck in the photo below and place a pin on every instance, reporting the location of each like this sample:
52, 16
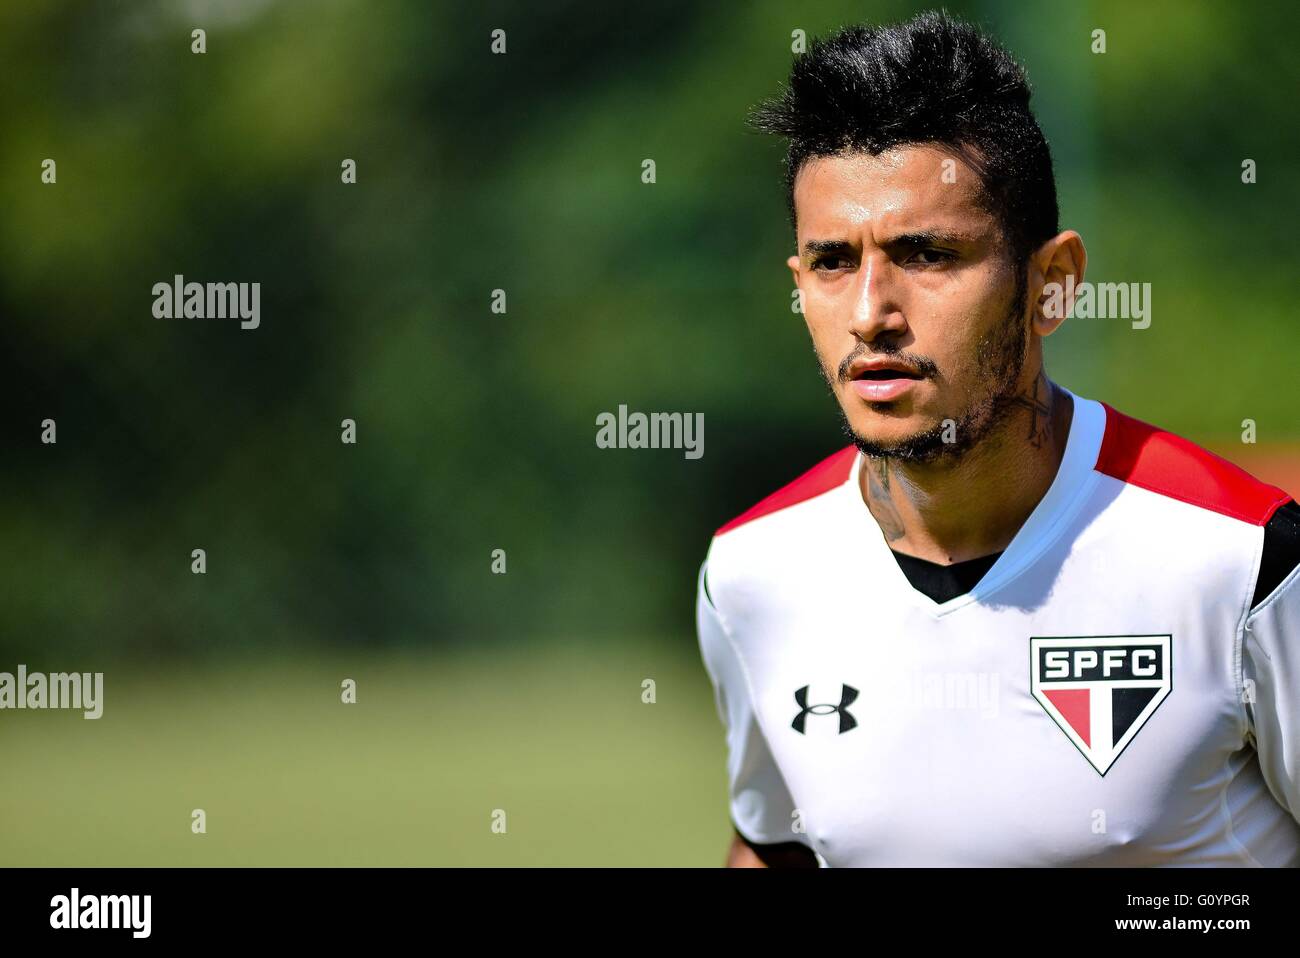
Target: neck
953, 511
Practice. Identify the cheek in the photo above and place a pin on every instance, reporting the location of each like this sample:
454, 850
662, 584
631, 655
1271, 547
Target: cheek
951, 327
828, 352
824, 326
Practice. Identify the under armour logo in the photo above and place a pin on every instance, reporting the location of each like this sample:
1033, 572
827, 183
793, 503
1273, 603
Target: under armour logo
847, 721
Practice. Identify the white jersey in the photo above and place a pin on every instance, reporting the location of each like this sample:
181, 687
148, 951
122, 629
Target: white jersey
1108, 694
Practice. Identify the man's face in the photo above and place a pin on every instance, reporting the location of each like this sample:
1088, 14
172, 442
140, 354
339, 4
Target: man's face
900, 266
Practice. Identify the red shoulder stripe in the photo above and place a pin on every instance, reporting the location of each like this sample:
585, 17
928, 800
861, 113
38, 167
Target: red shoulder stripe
826, 475
1158, 461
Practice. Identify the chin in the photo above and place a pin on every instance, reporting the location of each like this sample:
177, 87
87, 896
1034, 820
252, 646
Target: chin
886, 422
884, 433
910, 438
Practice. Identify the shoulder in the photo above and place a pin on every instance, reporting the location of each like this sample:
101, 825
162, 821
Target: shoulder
1159, 461
758, 547
831, 473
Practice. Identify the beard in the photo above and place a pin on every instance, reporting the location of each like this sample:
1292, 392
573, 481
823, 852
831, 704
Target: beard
1000, 353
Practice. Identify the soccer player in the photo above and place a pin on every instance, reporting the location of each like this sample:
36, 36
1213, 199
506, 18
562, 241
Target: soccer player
1009, 625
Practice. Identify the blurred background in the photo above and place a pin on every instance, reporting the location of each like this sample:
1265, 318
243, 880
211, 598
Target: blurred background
476, 430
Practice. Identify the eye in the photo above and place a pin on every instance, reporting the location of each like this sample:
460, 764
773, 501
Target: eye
824, 263
931, 257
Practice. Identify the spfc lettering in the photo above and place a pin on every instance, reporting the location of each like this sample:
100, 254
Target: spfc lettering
1100, 690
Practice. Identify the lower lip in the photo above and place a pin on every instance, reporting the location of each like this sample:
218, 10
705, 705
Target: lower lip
882, 390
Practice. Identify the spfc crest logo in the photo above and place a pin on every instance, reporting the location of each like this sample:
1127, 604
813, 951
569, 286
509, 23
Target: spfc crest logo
1100, 689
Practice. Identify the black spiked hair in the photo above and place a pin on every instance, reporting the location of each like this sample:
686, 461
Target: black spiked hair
933, 79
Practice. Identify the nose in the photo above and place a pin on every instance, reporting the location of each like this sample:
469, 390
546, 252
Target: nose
876, 310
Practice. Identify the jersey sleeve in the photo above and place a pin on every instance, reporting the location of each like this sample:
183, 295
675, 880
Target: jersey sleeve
1271, 668
760, 803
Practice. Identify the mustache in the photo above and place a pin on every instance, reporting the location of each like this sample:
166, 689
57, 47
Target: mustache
919, 364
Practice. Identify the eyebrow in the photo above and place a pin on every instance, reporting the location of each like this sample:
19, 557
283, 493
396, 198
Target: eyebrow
915, 238
814, 247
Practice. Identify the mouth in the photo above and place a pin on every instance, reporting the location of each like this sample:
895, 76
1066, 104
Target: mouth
882, 381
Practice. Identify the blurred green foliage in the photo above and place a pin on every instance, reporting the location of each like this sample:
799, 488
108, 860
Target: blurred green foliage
476, 430
518, 172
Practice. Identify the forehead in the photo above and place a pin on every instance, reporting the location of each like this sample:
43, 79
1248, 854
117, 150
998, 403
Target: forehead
901, 188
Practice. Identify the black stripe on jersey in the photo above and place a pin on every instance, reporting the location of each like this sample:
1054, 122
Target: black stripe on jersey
1281, 550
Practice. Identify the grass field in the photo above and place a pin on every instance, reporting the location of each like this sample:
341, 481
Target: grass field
410, 775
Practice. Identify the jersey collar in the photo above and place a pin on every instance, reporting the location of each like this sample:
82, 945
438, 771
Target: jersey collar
1074, 480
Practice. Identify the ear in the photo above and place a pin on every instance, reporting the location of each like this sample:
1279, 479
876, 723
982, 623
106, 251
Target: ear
1055, 271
